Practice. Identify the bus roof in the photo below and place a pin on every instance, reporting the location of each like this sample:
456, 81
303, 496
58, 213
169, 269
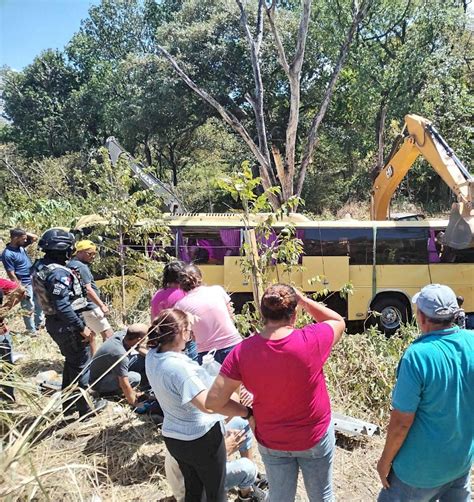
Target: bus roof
233, 220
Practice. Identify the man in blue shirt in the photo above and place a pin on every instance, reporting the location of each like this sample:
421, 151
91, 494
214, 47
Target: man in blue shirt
429, 447
17, 265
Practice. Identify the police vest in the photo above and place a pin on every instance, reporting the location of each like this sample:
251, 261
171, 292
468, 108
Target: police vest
77, 294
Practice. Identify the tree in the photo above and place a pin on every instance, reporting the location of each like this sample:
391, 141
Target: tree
38, 101
273, 168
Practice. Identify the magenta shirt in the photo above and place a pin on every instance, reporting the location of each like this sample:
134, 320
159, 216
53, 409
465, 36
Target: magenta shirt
291, 402
165, 299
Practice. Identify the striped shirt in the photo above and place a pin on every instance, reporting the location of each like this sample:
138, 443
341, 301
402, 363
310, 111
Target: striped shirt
176, 380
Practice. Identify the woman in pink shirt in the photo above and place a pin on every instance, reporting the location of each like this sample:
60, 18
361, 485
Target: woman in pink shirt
170, 293
213, 326
167, 297
283, 368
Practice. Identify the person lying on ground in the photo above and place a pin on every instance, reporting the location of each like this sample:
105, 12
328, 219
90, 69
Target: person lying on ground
240, 473
95, 318
283, 368
429, 447
123, 372
192, 433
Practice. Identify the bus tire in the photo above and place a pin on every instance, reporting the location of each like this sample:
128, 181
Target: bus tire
390, 312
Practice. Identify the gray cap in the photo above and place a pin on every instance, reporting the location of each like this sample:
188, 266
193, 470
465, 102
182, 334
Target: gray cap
437, 301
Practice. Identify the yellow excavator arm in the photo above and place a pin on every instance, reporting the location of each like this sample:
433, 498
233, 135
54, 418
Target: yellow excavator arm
419, 137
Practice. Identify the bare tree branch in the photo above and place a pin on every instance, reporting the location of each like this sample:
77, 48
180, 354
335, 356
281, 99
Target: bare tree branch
257, 101
279, 45
16, 175
229, 118
358, 15
286, 172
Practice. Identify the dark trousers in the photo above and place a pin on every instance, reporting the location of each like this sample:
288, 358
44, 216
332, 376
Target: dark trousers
219, 355
76, 359
6, 391
203, 464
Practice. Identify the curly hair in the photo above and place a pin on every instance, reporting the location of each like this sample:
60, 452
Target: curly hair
190, 277
278, 302
166, 327
171, 272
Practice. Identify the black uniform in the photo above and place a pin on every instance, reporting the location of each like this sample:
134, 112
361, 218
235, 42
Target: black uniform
63, 298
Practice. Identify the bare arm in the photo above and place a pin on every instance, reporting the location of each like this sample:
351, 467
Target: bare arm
320, 313
219, 397
94, 297
12, 276
128, 390
397, 431
30, 238
229, 408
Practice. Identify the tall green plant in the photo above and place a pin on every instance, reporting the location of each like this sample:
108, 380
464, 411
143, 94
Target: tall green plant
261, 253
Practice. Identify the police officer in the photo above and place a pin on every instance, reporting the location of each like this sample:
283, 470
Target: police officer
63, 298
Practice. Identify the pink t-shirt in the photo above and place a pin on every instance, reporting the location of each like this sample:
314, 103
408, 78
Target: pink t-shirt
165, 299
291, 402
213, 327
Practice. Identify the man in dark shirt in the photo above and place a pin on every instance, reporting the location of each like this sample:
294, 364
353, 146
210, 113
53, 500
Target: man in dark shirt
17, 265
122, 370
95, 315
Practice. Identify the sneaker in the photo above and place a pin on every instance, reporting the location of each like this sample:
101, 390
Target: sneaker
262, 481
256, 495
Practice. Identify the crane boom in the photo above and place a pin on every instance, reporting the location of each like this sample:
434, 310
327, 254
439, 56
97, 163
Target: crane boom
421, 138
166, 193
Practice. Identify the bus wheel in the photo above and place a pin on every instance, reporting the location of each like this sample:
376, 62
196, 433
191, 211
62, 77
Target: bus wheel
390, 313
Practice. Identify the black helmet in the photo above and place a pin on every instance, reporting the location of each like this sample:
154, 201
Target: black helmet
56, 239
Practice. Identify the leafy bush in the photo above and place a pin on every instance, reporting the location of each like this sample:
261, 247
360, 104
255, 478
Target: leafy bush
361, 372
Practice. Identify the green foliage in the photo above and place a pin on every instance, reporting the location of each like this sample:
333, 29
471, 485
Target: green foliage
361, 372
407, 57
263, 251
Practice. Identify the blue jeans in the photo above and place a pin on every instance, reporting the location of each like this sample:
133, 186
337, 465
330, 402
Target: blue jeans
241, 473
458, 490
30, 303
239, 423
219, 355
316, 465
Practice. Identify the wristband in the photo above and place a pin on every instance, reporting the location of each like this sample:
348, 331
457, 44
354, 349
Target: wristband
249, 413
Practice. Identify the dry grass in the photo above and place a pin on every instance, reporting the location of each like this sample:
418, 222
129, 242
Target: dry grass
117, 455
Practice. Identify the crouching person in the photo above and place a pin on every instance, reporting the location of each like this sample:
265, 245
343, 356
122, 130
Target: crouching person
115, 370
241, 473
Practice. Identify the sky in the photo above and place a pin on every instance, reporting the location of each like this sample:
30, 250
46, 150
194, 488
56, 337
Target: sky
28, 27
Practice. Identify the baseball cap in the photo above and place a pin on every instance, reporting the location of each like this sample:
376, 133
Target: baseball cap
437, 301
84, 245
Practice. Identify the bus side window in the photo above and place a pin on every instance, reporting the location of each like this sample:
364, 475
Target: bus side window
402, 246
353, 242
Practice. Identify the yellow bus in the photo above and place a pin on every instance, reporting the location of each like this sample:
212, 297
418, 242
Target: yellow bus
386, 262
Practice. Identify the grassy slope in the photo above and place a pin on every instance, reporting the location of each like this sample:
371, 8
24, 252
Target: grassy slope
119, 456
